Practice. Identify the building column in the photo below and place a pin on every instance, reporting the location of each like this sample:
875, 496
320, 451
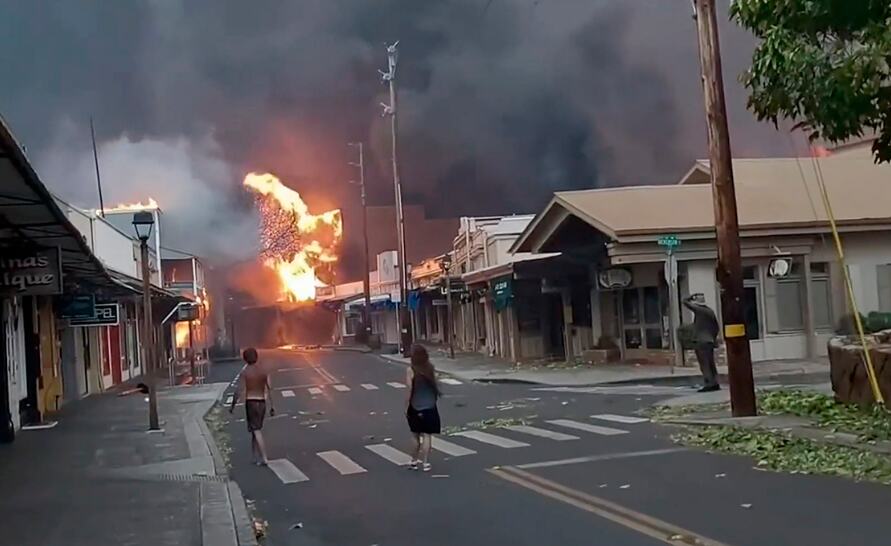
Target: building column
568, 338
596, 321
809, 328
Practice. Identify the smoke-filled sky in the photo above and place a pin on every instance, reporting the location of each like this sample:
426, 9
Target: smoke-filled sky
501, 101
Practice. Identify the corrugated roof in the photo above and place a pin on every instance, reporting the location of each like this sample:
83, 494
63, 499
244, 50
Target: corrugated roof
770, 193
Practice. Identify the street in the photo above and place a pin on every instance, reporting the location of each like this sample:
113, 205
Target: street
590, 470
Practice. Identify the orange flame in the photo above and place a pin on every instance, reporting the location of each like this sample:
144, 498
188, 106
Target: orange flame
294, 241
122, 207
182, 335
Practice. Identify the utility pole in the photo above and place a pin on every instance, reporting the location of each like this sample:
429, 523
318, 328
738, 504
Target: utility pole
366, 280
96, 164
402, 315
446, 264
729, 271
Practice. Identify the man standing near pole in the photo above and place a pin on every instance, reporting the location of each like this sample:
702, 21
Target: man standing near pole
705, 336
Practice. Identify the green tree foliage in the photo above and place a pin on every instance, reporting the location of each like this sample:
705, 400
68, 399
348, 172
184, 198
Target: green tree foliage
824, 64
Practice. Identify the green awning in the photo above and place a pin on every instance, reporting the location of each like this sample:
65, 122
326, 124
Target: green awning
502, 292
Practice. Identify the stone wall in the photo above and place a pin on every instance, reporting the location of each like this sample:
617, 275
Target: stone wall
850, 381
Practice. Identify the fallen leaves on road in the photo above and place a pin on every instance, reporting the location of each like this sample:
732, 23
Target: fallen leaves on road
625, 486
298, 525
261, 528
746, 505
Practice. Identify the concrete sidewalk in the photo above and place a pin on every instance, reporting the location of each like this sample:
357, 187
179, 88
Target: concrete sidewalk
99, 477
477, 367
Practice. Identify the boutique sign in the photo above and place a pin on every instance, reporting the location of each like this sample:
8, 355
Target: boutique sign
30, 272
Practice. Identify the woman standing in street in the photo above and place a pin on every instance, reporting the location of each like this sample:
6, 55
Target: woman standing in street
421, 411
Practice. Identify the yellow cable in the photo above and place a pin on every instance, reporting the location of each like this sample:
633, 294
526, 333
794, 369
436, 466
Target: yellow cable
870, 370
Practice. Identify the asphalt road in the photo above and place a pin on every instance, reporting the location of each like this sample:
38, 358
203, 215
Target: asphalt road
590, 472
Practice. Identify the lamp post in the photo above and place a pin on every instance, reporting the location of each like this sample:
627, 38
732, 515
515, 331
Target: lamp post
446, 263
143, 222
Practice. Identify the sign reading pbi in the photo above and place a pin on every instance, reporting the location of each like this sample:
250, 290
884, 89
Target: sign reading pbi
107, 314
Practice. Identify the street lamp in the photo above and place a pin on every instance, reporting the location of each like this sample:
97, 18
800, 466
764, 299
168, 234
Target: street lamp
446, 263
143, 222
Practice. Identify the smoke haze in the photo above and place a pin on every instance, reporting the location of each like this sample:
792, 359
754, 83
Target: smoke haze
501, 102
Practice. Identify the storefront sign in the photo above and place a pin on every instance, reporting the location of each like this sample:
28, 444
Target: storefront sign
77, 307
188, 311
502, 292
107, 314
30, 272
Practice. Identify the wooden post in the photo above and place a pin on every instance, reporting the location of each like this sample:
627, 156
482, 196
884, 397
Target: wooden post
739, 359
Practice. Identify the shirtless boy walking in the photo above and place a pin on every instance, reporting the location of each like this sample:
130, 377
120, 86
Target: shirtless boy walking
254, 382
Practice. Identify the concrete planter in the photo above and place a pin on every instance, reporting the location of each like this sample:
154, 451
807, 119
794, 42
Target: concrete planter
847, 369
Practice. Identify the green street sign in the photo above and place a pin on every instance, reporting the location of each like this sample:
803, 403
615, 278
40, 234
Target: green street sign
669, 241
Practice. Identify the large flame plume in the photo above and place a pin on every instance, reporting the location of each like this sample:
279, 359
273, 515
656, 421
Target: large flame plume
294, 242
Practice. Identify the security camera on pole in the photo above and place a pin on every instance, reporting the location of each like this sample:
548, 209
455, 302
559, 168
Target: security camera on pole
402, 315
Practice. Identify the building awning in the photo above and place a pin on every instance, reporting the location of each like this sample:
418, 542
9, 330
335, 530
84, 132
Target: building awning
359, 301
29, 213
506, 269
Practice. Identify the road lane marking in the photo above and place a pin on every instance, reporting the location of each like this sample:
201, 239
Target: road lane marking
542, 433
396, 385
449, 448
286, 471
288, 394
390, 453
315, 390
341, 462
660, 530
604, 457
369, 387
491, 439
450, 381
625, 419
595, 429
341, 388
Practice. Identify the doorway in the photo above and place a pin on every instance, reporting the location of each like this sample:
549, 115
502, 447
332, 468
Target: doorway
642, 318
554, 328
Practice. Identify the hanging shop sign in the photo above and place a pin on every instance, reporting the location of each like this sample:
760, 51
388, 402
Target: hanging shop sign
107, 314
30, 272
502, 292
187, 312
77, 306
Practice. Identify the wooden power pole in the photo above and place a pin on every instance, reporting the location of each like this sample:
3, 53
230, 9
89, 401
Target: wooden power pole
739, 358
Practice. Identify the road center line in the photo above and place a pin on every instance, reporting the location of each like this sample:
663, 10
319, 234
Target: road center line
604, 457
660, 530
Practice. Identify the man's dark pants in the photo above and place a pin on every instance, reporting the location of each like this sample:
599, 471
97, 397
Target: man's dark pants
705, 354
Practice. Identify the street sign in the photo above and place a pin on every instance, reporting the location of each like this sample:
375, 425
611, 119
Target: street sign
31, 272
107, 314
669, 241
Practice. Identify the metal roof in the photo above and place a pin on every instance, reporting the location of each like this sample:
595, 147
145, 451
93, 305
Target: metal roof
30, 213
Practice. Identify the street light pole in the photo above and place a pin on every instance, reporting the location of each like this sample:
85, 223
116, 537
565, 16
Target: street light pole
366, 280
143, 222
446, 264
389, 77
739, 358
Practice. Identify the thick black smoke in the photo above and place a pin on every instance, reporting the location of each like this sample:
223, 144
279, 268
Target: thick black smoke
501, 101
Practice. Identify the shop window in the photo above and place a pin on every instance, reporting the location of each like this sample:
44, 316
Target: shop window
821, 295
790, 304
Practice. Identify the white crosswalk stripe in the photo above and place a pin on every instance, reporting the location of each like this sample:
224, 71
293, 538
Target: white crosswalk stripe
542, 433
341, 462
595, 429
315, 390
625, 419
449, 448
450, 381
390, 453
286, 471
228, 400
396, 385
491, 439
341, 388
288, 394
369, 387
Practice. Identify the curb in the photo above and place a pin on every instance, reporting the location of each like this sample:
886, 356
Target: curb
241, 521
